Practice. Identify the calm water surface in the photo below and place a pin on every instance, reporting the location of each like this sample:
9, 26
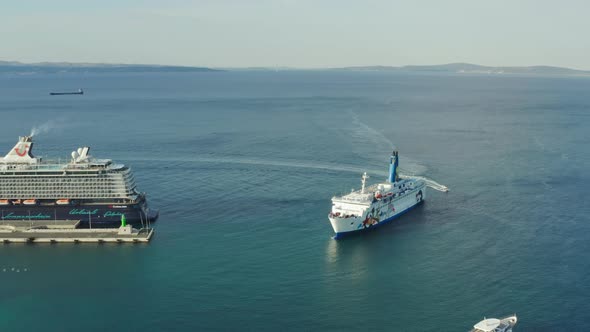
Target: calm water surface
242, 166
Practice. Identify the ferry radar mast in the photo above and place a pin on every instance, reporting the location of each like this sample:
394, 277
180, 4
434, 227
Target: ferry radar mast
364, 181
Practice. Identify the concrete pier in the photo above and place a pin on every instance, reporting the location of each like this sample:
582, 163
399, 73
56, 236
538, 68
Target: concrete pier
59, 231
38, 224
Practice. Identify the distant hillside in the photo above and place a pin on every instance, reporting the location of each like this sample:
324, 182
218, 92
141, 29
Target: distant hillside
467, 68
13, 67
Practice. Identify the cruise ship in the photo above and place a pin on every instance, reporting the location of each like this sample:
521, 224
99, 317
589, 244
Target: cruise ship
97, 192
377, 204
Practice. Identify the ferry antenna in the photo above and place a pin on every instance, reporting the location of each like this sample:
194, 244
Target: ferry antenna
364, 181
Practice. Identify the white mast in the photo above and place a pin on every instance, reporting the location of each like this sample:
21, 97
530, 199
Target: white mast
363, 181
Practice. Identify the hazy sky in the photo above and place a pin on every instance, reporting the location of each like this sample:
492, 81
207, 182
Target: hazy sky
298, 33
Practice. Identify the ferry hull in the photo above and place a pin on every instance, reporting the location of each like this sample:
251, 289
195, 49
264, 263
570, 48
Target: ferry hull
378, 213
101, 215
340, 235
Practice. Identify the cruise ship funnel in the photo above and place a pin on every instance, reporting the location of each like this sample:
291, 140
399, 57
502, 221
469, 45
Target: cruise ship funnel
21, 152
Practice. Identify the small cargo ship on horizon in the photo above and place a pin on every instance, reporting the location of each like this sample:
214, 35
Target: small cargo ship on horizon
95, 191
79, 92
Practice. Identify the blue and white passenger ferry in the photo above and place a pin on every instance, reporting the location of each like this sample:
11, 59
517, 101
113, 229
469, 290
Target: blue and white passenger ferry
376, 204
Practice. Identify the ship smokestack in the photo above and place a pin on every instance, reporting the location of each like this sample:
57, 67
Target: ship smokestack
22, 151
393, 163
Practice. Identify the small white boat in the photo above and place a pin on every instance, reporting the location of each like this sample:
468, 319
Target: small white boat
495, 325
4, 202
63, 202
30, 202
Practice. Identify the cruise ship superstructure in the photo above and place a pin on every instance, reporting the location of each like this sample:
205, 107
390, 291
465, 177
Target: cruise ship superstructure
97, 192
376, 204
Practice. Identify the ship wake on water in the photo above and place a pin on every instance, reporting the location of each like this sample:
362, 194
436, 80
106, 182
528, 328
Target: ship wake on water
412, 169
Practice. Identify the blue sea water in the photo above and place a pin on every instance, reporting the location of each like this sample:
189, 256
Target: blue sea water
242, 166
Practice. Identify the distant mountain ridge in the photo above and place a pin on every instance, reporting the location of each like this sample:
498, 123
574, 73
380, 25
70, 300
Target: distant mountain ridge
468, 68
16, 67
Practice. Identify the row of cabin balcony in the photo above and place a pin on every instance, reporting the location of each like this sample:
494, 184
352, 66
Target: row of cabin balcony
27, 195
40, 182
45, 190
52, 192
67, 174
37, 181
67, 185
84, 181
61, 175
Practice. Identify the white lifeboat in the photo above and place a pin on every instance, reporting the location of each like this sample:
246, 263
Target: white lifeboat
30, 202
63, 202
4, 202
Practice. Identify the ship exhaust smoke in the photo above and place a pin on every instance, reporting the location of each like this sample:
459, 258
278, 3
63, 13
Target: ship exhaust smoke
378, 138
429, 182
44, 128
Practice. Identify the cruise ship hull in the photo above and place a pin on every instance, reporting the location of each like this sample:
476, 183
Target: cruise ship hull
379, 213
94, 215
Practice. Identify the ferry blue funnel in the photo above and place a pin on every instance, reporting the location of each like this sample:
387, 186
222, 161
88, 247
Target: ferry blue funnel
393, 163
